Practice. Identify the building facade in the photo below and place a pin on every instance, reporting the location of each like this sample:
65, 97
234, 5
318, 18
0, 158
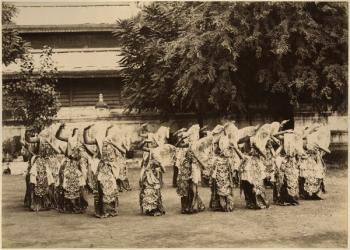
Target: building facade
87, 56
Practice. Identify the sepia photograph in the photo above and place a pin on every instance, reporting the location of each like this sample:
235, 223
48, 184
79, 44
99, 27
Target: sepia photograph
174, 124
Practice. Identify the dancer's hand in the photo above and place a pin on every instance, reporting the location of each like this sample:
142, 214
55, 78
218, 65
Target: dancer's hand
89, 126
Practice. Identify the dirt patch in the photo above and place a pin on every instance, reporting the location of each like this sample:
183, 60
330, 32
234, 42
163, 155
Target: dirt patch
311, 224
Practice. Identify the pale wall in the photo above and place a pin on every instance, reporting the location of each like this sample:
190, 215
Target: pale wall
83, 116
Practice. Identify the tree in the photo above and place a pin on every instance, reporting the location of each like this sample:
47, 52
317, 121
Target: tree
32, 97
223, 56
13, 46
147, 78
309, 44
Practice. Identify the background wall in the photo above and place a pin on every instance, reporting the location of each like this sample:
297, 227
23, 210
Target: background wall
83, 116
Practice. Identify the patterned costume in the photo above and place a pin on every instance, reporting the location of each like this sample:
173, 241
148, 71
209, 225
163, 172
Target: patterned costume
269, 166
122, 181
252, 175
180, 156
203, 148
55, 164
106, 190
187, 184
312, 174
221, 183
72, 183
312, 167
287, 189
41, 187
150, 190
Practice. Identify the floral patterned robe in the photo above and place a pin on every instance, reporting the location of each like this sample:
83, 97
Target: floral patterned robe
123, 181
287, 185
72, 183
221, 183
252, 175
106, 190
269, 165
41, 181
150, 190
312, 174
186, 187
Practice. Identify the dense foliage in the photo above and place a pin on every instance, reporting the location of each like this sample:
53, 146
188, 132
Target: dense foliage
223, 56
11, 148
31, 97
13, 45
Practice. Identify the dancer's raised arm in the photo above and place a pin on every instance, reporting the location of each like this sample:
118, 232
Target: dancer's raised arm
278, 151
239, 152
61, 149
86, 138
88, 151
59, 133
108, 128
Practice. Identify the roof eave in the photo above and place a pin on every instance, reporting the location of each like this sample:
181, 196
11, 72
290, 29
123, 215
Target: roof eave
27, 29
71, 74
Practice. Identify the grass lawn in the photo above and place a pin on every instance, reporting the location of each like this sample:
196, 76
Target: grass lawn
311, 224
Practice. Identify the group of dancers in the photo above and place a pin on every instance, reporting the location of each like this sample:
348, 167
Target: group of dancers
252, 158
